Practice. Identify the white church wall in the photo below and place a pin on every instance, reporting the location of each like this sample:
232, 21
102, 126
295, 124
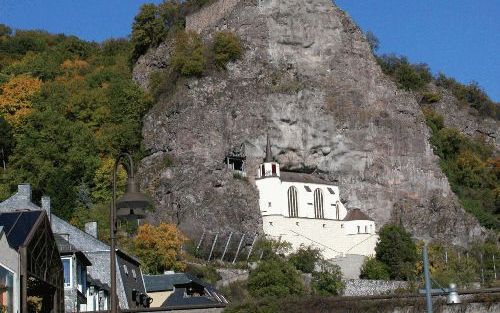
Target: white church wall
271, 199
360, 227
327, 235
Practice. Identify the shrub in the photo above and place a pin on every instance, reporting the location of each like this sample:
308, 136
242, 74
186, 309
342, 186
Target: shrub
431, 97
275, 278
398, 251
434, 120
305, 259
188, 58
374, 269
372, 41
204, 272
328, 280
227, 47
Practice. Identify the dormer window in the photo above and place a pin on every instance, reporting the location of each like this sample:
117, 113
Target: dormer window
330, 190
307, 188
134, 274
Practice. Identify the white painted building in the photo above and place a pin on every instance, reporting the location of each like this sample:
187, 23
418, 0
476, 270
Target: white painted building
305, 210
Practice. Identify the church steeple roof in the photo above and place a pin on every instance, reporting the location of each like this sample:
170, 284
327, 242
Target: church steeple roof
269, 154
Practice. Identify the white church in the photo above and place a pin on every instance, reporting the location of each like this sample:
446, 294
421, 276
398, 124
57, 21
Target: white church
305, 210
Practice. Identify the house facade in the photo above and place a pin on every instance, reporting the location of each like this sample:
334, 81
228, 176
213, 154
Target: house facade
31, 273
303, 209
91, 294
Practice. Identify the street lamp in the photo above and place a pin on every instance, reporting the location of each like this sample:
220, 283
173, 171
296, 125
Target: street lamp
130, 206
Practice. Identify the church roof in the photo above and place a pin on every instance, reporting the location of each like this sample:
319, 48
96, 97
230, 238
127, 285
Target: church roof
302, 178
356, 215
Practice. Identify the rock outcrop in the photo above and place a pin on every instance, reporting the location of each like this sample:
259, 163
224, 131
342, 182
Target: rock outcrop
309, 79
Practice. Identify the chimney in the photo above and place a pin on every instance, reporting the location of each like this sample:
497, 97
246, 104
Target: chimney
91, 229
46, 206
24, 192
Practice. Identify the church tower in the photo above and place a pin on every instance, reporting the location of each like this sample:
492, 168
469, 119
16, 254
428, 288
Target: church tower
269, 168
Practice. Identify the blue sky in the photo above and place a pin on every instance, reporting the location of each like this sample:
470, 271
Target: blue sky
458, 37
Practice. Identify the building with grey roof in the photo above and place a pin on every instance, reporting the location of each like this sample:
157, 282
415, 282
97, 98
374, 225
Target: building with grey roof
130, 284
182, 290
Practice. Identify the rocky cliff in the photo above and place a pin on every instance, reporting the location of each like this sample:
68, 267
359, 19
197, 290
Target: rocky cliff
309, 79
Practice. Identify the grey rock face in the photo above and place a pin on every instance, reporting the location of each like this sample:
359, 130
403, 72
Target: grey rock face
309, 79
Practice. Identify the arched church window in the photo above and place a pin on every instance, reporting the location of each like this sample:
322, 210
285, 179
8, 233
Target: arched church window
293, 208
263, 171
318, 204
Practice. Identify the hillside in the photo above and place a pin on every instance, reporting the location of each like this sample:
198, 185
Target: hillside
67, 107
308, 78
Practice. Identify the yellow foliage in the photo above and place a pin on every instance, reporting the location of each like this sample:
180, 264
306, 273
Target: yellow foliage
103, 180
15, 97
159, 247
74, 65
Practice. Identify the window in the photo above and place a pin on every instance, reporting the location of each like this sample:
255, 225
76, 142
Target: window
273, 166
307, 188
262, 171
366, 229
81, 277
318, 204
269, 204
6, 290
293, 209
67, 272
125, 269
134, 274
330, 190
337, 212
359, 229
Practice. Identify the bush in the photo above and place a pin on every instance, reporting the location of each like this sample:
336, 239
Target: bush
431, 97
275, 278
374, 269
305, 259
188, 58
227, 47
328, 280
148, 30
204, 272
397, 250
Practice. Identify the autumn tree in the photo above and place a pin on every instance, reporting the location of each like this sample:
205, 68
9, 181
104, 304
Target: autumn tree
15, 97
159, 248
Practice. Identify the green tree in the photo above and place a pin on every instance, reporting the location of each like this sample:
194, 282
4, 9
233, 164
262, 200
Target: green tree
148, 30
374, 269
54, 155
397, 250
5, 30
188, 58
227, 47
275, 278
328, 280
305, 258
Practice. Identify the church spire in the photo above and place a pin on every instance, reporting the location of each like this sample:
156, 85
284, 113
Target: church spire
269, 155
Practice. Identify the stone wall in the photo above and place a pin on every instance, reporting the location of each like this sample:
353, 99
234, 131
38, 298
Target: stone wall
210, 15
365, 287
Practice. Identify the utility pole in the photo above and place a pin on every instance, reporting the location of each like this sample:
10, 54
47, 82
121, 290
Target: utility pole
428, 297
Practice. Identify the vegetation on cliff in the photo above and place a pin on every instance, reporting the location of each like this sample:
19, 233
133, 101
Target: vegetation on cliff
472, 169
154, 23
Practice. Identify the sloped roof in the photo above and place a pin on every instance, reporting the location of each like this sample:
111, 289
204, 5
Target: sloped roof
356, 215
18, 225
66, 248
302, 178
165, 282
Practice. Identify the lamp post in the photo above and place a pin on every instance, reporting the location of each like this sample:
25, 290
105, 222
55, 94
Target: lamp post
130, 206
